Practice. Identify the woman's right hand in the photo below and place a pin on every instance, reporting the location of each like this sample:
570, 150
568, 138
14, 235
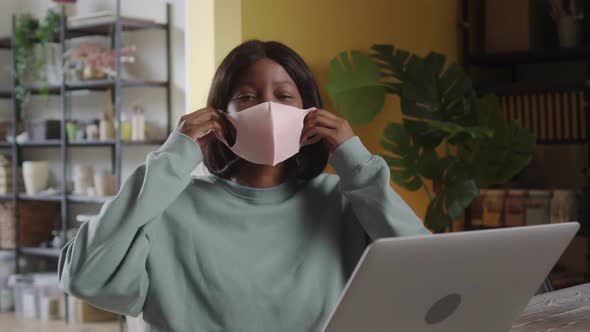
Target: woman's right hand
205, 125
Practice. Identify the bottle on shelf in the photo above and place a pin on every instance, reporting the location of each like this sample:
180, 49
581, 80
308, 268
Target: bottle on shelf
125, 128
107, 125
138, 123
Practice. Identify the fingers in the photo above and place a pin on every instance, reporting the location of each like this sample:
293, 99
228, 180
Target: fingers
199, 129
328, 114
323, 118
206, 123
329, 134
315, 119
323, 124
316, 134
312, 139
202, 115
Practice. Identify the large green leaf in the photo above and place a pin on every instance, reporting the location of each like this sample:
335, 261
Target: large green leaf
427, 90
498, 158
460, 189
490, 113
391, 60
429, 165
355, 88
423, 133
453, 130
403, 158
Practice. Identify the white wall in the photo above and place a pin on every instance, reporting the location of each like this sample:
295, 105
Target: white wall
150, 65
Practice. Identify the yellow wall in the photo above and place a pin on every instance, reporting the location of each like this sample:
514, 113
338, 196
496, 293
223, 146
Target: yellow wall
214, 27
318, 30
200, 51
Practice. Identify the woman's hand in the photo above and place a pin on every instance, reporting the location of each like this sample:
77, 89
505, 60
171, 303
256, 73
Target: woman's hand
321, 124
205, 125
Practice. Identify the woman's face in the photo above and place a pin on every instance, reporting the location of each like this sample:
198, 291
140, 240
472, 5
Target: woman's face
264, 81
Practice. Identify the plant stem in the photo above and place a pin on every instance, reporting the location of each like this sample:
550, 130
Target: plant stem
428, 193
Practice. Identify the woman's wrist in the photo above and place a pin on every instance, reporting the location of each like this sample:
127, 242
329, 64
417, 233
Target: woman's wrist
349, 156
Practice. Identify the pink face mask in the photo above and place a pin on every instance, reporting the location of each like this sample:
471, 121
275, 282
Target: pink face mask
268, 133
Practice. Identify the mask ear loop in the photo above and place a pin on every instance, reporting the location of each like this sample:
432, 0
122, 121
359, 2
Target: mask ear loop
307, 110
231, 163
231, 122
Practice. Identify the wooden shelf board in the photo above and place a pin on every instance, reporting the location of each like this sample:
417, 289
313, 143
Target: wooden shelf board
92, 143
110, 83
531, 57
107, 27
45, 198
99, 85
532, 87
6, 197
40, 252
87, 199
147, 142
46, 143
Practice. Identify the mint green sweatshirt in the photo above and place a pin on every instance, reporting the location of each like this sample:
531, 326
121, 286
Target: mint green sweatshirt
204, 254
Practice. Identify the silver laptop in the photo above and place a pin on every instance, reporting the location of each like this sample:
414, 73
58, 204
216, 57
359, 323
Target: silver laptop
468, 281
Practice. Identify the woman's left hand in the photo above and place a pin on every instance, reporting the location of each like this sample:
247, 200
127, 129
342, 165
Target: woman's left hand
321, 124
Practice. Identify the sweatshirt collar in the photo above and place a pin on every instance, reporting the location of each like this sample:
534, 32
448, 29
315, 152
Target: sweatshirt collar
260, 196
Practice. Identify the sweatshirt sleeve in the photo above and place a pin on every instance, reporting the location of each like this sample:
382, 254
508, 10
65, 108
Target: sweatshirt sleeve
104, 264
365, 184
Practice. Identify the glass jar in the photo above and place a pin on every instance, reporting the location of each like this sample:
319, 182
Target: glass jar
537, 207
515, 208
493, 206
563, 206
6, 299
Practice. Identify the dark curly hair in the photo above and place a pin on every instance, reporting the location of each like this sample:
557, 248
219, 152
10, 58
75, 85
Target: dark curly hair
220, 160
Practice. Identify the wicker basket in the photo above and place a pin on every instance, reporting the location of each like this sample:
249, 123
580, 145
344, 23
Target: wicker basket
36, 221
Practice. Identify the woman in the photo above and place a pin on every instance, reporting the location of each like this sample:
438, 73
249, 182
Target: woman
251, 247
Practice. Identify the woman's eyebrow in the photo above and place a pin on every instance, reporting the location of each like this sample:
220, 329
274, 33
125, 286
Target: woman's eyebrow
253, 85
284, 82
246, 83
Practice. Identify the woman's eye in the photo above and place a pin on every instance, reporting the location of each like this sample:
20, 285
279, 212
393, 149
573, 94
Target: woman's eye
246, 97
285, 97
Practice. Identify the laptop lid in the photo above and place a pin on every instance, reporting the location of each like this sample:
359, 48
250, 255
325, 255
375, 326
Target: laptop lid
465, 281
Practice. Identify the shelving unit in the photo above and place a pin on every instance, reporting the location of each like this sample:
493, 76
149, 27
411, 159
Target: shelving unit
556, 111
112, 29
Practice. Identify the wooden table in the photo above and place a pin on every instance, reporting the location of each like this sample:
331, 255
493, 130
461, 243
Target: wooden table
566, 310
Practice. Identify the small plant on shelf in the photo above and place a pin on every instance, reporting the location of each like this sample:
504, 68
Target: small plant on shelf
30, 64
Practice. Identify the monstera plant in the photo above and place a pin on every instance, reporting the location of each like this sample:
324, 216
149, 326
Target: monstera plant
448, 135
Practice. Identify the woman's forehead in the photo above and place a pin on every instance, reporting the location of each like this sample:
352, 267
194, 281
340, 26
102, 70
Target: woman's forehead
265, 71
